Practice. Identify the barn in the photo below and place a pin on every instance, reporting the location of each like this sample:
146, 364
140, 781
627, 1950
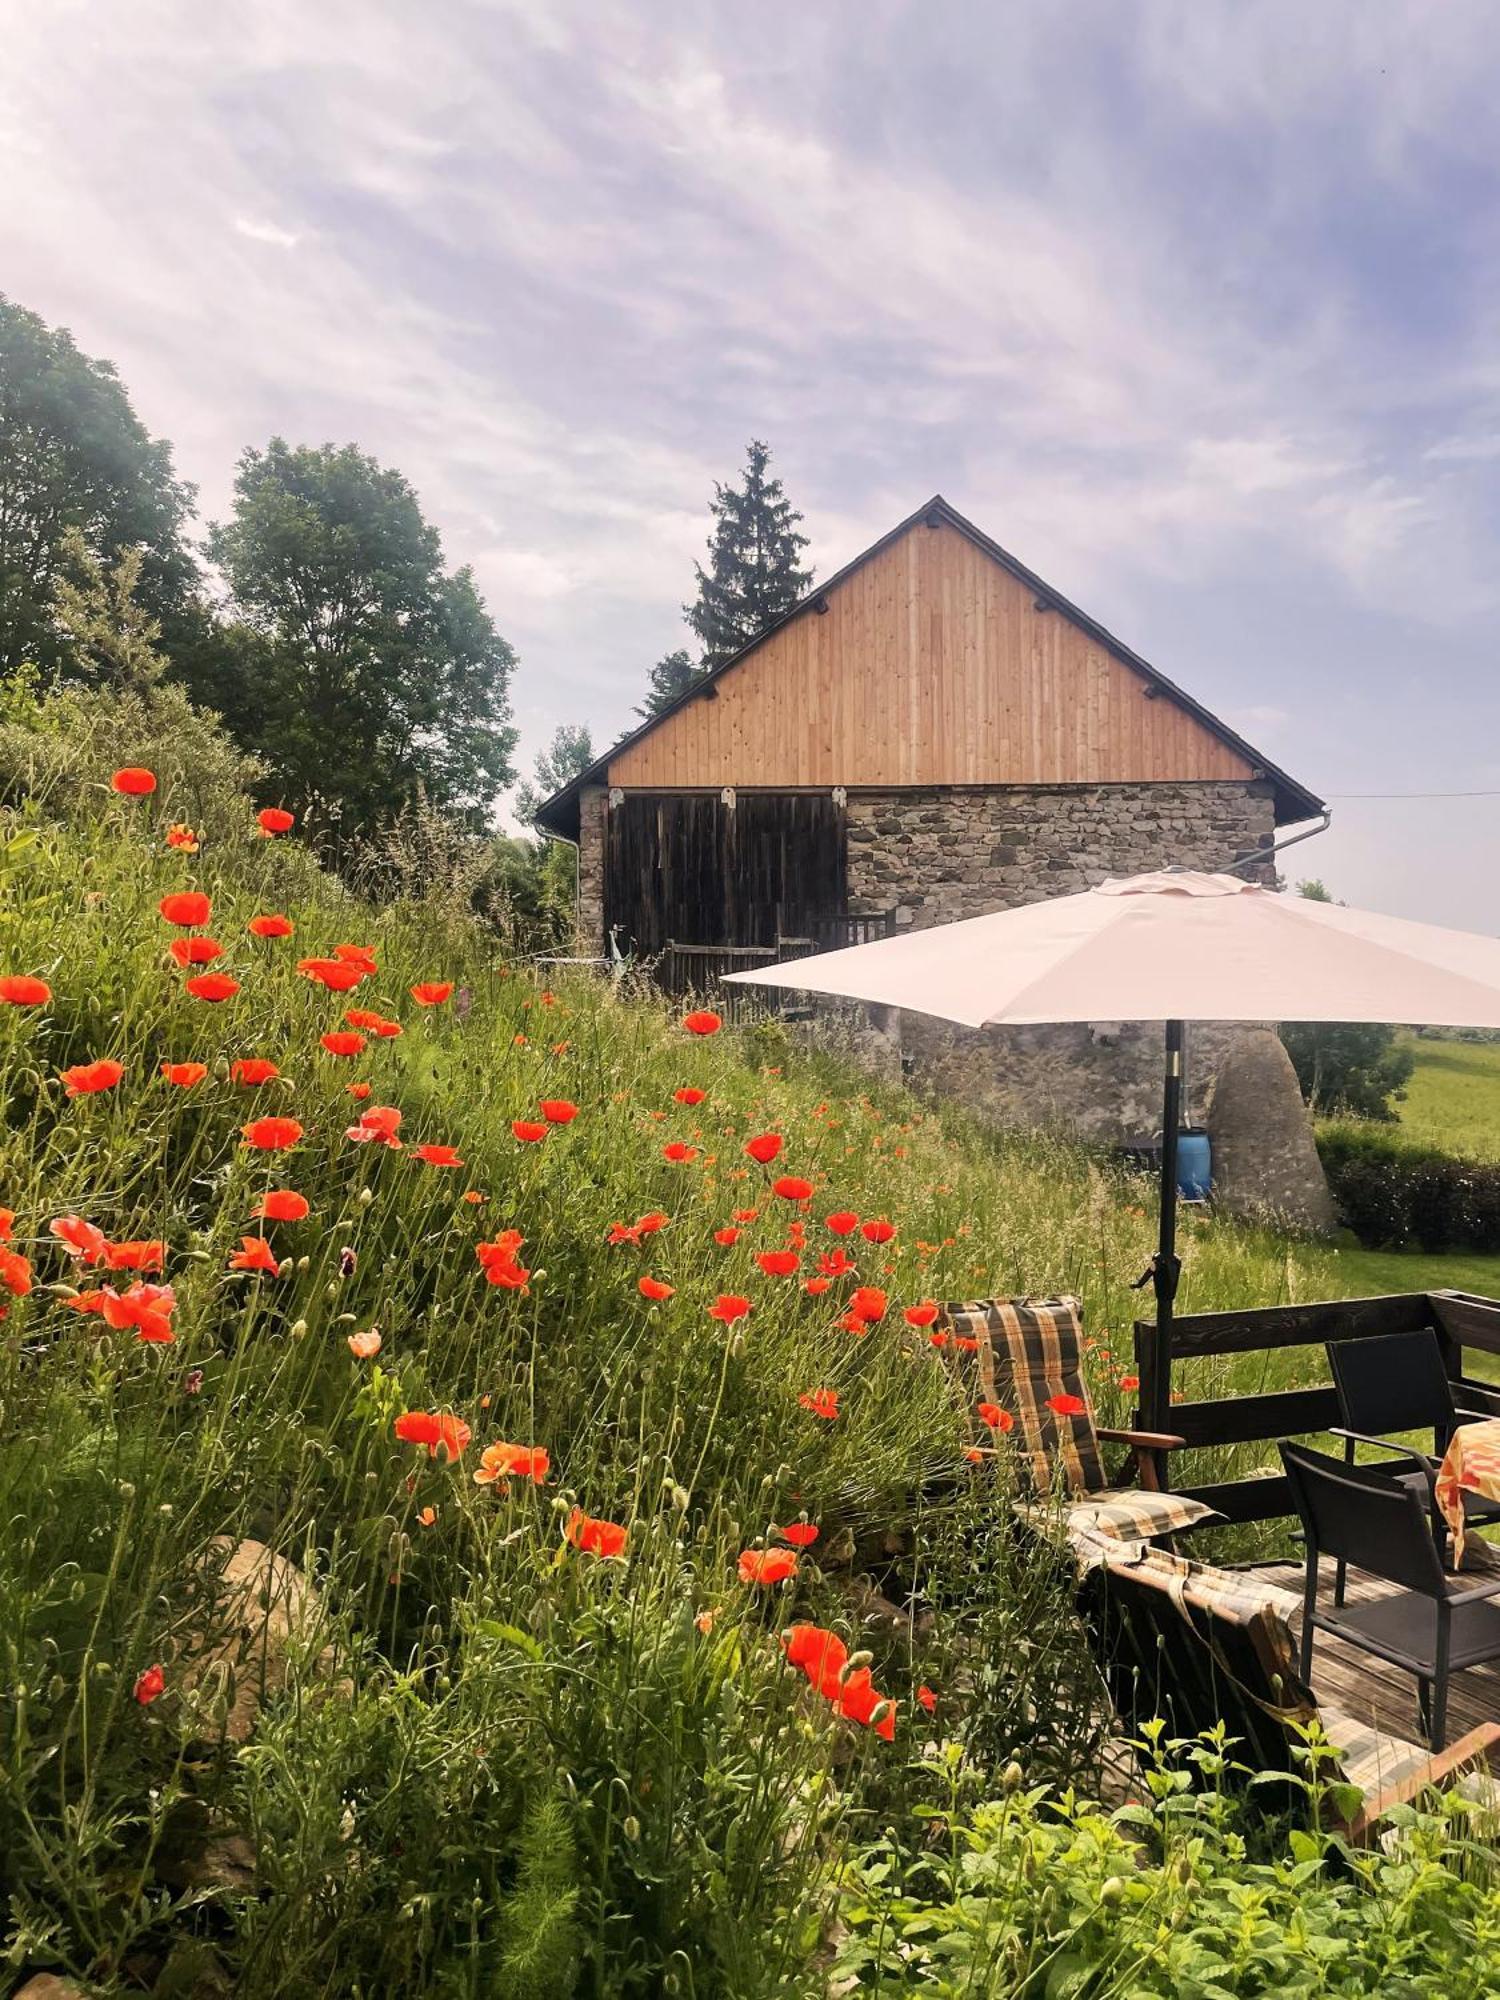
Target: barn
934, 732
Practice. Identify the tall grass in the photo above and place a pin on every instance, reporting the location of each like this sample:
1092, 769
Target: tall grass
496, 1763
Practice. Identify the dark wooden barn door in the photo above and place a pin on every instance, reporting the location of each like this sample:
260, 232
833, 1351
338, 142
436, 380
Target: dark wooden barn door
688, 867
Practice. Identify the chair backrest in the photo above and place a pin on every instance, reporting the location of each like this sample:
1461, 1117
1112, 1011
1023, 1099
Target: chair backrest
1392, 1382
1030, 1354
1359, 1513
1197, 1647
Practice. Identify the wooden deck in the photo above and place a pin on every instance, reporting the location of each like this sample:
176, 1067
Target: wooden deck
1370, 1690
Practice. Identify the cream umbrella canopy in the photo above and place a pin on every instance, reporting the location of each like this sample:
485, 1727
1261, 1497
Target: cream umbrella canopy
1171, 947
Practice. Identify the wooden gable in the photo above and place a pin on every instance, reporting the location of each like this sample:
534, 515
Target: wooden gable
932, 664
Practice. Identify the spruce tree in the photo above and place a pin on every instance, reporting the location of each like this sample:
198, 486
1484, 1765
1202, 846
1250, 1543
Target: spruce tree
754, 574
672, 675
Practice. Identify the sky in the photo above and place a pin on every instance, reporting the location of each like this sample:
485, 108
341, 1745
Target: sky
1193, 306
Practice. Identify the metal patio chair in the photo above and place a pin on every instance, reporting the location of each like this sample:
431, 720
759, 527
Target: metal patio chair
1431, 1626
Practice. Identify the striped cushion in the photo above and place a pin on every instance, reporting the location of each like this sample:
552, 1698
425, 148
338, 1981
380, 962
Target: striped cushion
1028, 1351
1121, 1513
1371, 1759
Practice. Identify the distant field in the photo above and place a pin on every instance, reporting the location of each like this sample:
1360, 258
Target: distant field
1453, 1099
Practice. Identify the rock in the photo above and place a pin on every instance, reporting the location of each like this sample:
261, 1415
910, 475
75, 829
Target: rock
1265, 1163
49, 1986
259, 1607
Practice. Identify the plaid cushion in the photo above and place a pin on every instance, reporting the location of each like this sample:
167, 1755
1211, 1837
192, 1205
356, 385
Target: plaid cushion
1371, 1759
1029, 1350
1121, 1513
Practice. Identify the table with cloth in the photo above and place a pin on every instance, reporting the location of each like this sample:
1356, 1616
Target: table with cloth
1471, 1464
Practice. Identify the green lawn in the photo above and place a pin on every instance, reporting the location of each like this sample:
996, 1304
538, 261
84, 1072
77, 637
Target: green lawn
1453, 1099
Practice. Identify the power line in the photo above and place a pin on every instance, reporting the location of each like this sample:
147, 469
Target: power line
1344, 797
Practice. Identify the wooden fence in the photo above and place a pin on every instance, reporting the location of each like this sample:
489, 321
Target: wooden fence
1459, 1319
696, 971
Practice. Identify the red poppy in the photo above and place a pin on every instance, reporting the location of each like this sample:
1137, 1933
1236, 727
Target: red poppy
689, 1094
359, 1091
654, 1288
924, 1314
431, 992
270, 925
195, 950
868, 1302
1130, 1382
822, 1656
778, 1263
822, 1402
343, 1042
791, 1188
147, 1308
362, 955
595, 1537
181, 838
649, 1224
275, 819
677, 1152
253, 1069
801, 1534
7, 1223
85, 1079
134, 782
836, 1263
184, 1074
767, 1566
144, 1254
702, 1022
1067, 1406
15, 1272
528, 1131
211, 986
378, 1126
256, 1255
17, 989
438, 1156
499, 1462
152, 1683
500, 1260
994, 1416
860, 1700
271, 1135
815, 1287
332, 973
927, 1698
726, 1236
729, 1307
749, 1215
764, 1147
474, 1195
433, 1428
558, 1110
187, 907
283, 1205
879, 1231
81, 1238
843, 1222
375, 1024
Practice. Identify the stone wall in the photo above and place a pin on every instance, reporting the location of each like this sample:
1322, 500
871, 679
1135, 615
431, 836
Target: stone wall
593, 805
937, 854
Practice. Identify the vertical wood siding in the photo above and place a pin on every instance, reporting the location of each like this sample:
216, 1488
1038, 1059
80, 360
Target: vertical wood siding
931, 666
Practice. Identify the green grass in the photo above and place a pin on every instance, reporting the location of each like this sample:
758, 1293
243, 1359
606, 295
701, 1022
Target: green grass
1453, 1099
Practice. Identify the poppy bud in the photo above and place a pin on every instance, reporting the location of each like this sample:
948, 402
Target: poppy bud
1112, 1891
863, 1658
680, 1499
737, 1345
365, 1197
630, 1826
1012, 1777
299, 1329
303, 1264
332, 1288
348, 1262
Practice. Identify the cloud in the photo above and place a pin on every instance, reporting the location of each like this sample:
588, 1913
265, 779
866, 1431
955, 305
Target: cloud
266, 232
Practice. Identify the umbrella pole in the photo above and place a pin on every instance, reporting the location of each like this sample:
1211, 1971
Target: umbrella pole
1166, 1266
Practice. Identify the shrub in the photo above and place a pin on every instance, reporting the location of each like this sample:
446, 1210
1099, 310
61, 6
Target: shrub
1351, 1069
1394, 1195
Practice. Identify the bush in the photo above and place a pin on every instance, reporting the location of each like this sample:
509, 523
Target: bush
1394, 1195
1352, 1069
1044, 1894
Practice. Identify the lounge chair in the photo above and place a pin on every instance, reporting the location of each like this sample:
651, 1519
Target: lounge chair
1196, 1646
1029, 1353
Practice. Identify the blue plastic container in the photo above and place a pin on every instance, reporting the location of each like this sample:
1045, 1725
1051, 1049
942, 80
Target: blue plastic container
1194, 1164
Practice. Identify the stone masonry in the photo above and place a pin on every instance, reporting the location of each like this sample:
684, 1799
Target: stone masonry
593, 805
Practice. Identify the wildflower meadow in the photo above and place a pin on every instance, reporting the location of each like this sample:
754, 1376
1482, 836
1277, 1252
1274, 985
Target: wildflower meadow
488, 1508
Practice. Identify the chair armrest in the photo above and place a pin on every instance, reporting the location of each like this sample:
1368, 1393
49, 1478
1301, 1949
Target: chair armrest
1384, 1444
1147, 1440
1474, 1748
1478, 1594
1477, 1416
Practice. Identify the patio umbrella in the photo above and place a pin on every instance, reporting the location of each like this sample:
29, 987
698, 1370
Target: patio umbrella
1171, 947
